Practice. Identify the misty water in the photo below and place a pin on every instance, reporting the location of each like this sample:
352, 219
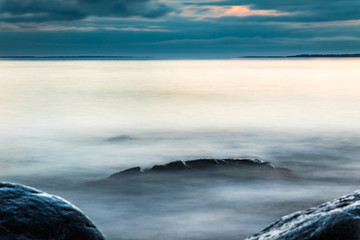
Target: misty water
66, 123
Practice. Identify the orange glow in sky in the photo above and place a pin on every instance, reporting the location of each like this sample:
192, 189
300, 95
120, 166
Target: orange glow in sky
235, 10
242, 11
223, 11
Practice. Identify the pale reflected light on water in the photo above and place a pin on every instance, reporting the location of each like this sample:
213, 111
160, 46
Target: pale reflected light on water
67, 122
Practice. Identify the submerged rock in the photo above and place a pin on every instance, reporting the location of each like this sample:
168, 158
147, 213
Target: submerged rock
189, 176
335, 220
29, 214
235, 168
121, 138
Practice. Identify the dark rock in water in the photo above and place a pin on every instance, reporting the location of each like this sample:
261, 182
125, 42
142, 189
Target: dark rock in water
235, 168
130, 171
335, 220
172, 166
204, 163
29, 214
189, 176
121, 138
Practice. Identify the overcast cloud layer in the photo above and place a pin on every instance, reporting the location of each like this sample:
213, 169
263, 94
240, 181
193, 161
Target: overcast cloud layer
70, 10
185, 28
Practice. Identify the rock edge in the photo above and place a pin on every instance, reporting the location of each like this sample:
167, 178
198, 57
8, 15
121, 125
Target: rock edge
30, 214
338, 219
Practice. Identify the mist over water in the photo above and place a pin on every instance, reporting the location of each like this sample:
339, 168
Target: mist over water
65, 123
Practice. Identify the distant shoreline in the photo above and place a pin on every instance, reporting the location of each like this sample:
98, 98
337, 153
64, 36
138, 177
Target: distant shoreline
352, 55
104, 57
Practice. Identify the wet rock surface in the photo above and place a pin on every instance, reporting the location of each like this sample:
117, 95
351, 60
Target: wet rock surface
235, 168
180, 176
335, 220
29, 214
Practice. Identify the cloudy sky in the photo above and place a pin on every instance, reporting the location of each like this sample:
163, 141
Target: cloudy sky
179, 28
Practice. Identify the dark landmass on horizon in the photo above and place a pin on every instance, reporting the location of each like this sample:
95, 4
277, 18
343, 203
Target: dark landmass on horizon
126, 57
351, 55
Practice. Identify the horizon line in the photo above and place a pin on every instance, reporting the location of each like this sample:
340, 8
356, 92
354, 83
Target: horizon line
303, 55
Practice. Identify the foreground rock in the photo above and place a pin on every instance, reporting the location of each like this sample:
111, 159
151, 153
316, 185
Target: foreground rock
335, 220
29, 214
235, 168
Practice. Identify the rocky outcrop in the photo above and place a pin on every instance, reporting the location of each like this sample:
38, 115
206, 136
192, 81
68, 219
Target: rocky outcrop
29, 214
181, 176
235, 168
335, 220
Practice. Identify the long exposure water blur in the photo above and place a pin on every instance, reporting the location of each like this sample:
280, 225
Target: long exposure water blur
65, 123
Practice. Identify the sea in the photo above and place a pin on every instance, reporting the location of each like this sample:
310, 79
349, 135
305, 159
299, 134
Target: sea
66, 122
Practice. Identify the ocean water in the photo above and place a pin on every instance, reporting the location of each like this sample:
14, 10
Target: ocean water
64, 123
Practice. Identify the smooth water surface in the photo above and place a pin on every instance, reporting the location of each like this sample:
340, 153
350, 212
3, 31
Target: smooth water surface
64, 123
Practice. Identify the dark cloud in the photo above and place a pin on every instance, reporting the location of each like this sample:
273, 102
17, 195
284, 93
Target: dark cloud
270, 27
70, 10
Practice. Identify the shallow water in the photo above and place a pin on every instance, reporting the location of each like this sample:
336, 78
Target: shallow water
64, 123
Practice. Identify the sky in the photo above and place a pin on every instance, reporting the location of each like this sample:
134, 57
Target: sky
178, 28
